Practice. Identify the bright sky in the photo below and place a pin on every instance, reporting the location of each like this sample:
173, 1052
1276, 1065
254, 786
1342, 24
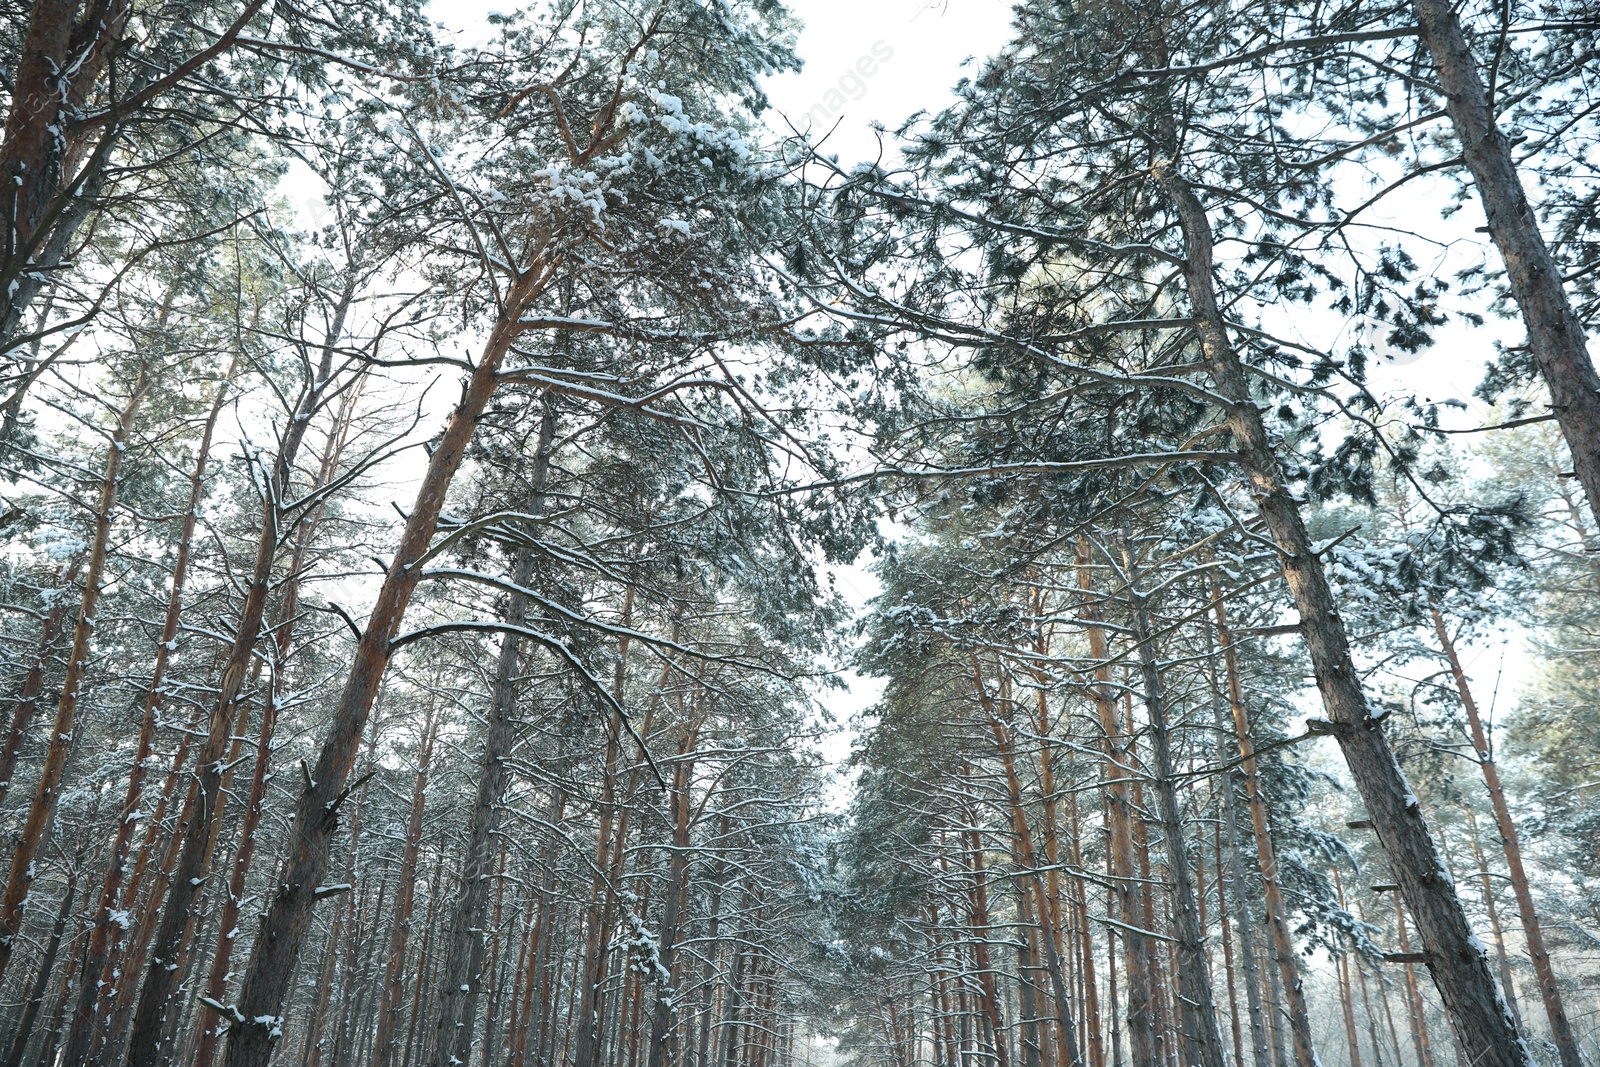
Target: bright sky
879, 61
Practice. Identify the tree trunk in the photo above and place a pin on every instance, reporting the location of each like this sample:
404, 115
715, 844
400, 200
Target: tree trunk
1198, 1011
978, 917
202, 817
1277, 914
1372, 1019
414, 1028
288, 917
95, 994
1346, 993
541, 994
1227, 939
1259, 1050
41, 811
394, 971
33, 151
1549, 988
496, 990
1414, 1011
33, 1004
667, 997
1555, 334
1119, 824
33, 681
1456, 958
244, 853
1491, 906
464, 951
1091, 1006
1065, 1027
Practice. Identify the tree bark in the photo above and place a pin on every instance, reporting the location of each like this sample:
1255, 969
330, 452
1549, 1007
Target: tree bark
202, 815
1456, 958
41, 811
394, 971
1065, 1027
1197, 1011
1119, 825
667, 998
1277, 915
1492, 907
1556, 336
1414, 1011
33, 1003
464, 951
1346, 993
1560, 1028
288, 917
1259, 1050
978, 916
95, 994
1227, 941
33, 681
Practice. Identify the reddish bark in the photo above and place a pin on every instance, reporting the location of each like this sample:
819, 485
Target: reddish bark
1456, 958
288, 919
41, 811
95, 995
33, 681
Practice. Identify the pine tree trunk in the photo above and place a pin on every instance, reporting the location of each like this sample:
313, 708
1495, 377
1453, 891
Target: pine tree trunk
496, 990
282, 641
1111, 979
463, 965
612, 854
1414, 1011
1277, 916
1346, 994
1119, 824
255, 803
41, 811
1065, 1027
978, 918
1556, 336
1491, 906
33, 1002
522, 981
95, 994
1455, 957
713, 954
33, 682
1161, 1018
1549, 988
597, 922
127, 955
1226, 925
30, 163
1372, 1019
1198, 1011
414, 1032
1091, 990
541, 994
669, 996
1259, 1049
394, 971
288, 918
202, 810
